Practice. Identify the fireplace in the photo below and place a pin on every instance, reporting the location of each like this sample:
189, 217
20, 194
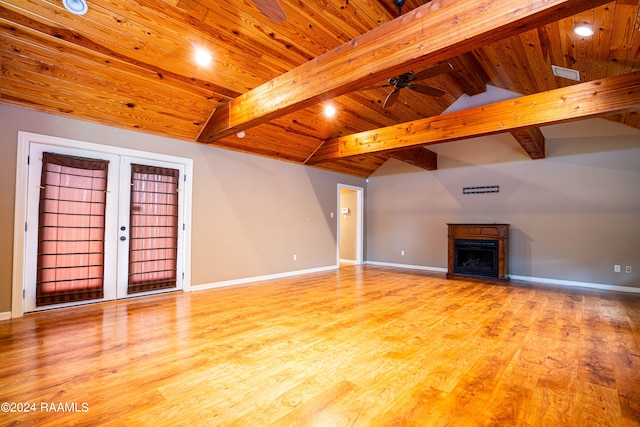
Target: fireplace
478, 251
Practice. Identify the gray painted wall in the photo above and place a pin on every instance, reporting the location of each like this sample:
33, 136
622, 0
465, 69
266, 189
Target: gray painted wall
573, 215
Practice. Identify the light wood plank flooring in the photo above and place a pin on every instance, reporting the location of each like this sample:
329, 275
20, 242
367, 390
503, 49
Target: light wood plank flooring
363, 346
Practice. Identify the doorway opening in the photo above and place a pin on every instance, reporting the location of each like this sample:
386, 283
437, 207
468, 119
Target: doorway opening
350, 224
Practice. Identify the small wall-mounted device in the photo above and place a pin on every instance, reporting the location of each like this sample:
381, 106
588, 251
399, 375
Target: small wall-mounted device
345, 211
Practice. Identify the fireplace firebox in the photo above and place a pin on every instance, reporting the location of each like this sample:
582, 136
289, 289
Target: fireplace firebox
478, 251
476, 257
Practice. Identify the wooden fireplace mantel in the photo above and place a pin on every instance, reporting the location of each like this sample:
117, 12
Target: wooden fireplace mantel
497, 232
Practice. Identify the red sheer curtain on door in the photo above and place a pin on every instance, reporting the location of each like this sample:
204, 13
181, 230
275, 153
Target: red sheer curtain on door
153, 228
71, 229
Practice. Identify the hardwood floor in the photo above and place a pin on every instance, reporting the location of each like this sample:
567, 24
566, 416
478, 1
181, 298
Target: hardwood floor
365, 346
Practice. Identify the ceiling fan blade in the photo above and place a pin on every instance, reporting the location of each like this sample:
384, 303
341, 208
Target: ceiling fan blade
441, 68
427, 90
391, 98
272, 10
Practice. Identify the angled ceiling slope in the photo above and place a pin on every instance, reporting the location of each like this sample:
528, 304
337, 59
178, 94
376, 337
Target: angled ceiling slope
365, 55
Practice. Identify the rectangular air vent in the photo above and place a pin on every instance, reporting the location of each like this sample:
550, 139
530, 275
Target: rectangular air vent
566, 73
480, 190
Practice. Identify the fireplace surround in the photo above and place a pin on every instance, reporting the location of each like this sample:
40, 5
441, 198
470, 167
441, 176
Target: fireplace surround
478, 251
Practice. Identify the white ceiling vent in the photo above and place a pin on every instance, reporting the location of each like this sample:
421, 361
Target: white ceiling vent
566, 73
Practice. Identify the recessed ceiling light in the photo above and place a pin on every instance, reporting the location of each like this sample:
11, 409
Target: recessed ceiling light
583, 30
77, 7
329, 111
566, 73
203, 57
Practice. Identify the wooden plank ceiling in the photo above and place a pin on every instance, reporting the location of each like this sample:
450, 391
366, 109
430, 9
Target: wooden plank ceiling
130, 64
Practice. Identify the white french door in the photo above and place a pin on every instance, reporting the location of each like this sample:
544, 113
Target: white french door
101, 226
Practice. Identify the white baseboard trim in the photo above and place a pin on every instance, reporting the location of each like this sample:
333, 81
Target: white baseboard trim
5, 315
246, 280
348, 261
409, 266
537, 280
571, 283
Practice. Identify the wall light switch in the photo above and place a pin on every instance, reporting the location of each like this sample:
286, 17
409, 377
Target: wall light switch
616, 268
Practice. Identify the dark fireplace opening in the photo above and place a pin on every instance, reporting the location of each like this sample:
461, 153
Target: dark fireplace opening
476, 257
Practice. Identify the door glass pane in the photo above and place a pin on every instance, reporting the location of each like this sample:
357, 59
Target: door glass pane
71, 229
153, 228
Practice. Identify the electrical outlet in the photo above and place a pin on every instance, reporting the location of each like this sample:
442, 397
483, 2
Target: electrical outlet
295, 257
616, 268
628, 269
401, 253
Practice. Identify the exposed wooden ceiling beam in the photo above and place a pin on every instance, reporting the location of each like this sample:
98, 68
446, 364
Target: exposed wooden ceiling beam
420, 157
532, 140
590, 99
436, 31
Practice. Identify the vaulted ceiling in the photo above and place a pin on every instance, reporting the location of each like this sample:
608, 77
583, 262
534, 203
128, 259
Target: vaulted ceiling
130, 64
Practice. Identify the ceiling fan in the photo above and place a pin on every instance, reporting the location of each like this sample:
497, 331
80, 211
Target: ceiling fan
407, 80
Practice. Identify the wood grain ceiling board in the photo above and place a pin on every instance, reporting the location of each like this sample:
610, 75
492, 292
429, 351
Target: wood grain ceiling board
129, 64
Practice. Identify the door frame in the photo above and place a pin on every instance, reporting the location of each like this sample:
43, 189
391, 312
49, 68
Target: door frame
20, 207
359, 226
